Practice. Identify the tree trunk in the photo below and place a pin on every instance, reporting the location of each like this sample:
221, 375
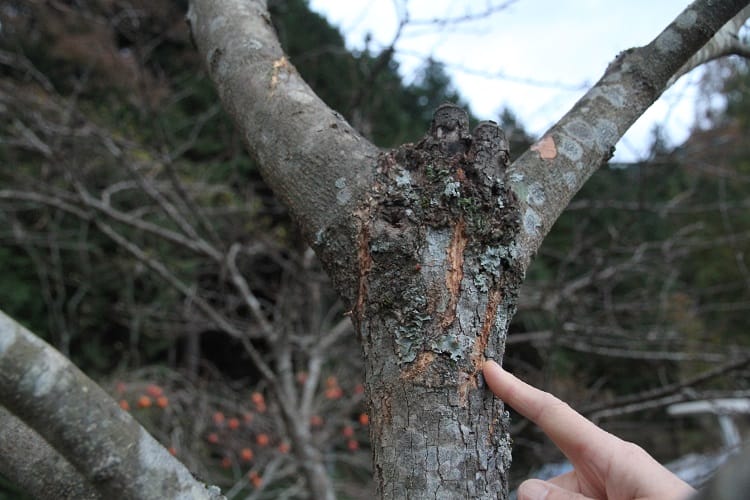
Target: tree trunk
431, 245
438, 285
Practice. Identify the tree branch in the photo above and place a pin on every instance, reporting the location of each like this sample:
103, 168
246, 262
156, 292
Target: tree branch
27, 458
593, 411
725, 42
546, 177
53, 397
317, 164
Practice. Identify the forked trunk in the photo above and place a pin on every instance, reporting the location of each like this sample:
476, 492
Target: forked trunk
438, 285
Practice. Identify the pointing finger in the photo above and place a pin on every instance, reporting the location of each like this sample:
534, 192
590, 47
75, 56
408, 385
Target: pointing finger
570, 431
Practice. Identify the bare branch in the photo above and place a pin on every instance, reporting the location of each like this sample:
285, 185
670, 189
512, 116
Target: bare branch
27, 458
118, 457
251, 301
41, 198
725, 42
309, 155
218, 319
489, 10
594, 409
546, 177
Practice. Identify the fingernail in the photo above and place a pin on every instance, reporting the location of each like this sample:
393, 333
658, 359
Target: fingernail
533, 490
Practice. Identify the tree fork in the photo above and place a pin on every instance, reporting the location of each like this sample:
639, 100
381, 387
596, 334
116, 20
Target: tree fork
438, 284
390, 259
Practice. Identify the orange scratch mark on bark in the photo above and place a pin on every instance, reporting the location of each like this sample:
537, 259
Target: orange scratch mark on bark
477, 353
493, 302
460, 175
455, 270
467, 381
546, 148
365, 264
419, 366
279, 64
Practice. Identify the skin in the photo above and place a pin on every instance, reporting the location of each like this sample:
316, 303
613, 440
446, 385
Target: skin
604, 466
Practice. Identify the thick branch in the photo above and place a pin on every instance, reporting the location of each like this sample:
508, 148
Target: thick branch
546, 177
87, 427
725, 42
39, 469
316, 163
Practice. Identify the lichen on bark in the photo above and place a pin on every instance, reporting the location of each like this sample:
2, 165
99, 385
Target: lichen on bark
440, 212
437, 288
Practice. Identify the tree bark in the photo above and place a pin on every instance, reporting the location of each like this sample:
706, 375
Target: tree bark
108, 448
725, 42
547, 176
314, 161
38, 469
428, 243
437, 290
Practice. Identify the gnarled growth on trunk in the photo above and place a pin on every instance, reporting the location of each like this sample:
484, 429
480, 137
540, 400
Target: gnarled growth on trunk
429, 242
438, 283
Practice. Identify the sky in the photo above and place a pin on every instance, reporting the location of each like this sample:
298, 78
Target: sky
536, 57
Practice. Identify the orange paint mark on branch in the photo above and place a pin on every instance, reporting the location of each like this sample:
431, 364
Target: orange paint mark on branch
455, 271
546, 148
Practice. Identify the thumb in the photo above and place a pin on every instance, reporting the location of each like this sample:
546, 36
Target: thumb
536, 489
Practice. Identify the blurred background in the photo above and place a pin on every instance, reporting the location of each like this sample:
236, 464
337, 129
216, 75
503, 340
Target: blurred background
137, 237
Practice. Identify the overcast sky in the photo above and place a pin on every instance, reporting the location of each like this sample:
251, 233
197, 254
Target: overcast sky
536, 57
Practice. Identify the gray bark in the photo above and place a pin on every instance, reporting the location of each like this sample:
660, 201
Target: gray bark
725, 42
546, 177
438, 284
107, 447
430, 242
38, 469
314, 161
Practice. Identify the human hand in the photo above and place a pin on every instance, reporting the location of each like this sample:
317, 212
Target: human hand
604, 466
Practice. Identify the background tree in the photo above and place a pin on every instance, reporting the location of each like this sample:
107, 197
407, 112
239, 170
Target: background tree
163, 216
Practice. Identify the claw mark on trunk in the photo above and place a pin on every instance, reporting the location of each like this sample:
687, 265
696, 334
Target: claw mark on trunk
455, 270
490, 314
279, 64
417, 369
365, 264
477, 354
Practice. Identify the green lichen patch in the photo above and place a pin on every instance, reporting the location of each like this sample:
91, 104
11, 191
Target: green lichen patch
449, 179
420, 183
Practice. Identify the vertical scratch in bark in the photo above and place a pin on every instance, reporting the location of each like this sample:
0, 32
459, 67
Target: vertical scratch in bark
477, 354
455, 270
279, 65
365, 264
493, 302
419, 367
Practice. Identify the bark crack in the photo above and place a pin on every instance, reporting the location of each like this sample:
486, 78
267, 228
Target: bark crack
365, 264
469, 380
493, 303
454, 270
279, 65
419, 366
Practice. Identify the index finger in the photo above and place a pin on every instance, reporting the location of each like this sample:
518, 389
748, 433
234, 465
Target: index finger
575, 435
